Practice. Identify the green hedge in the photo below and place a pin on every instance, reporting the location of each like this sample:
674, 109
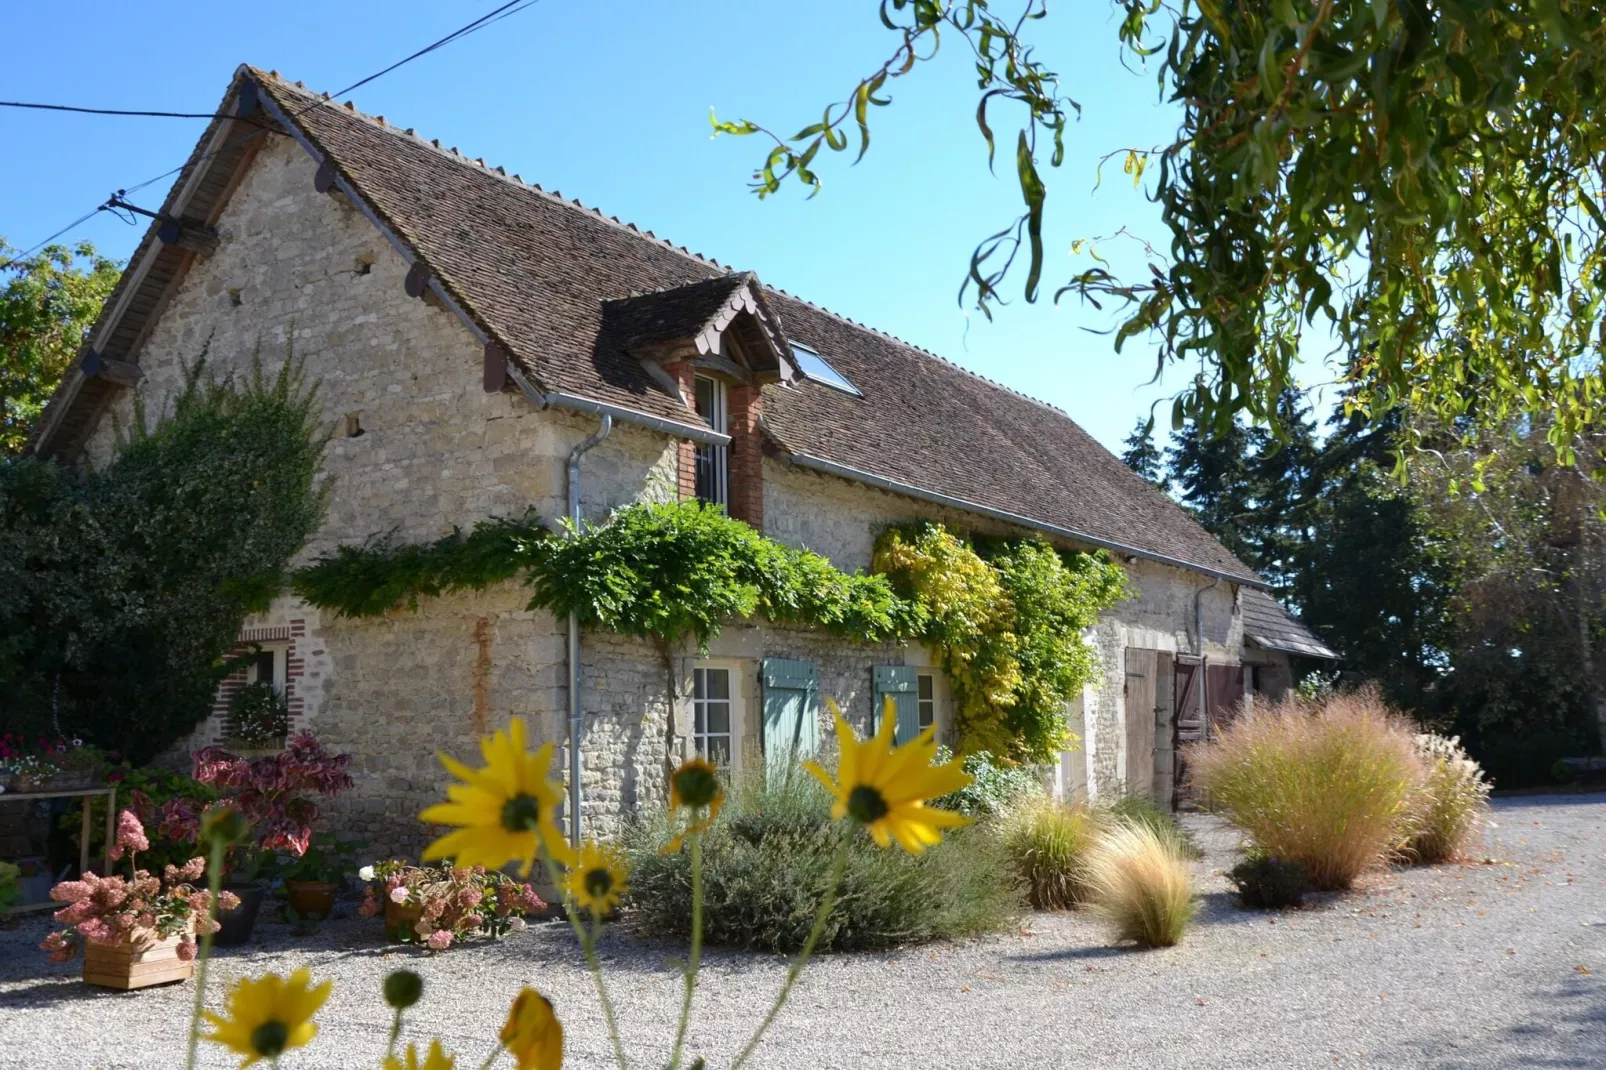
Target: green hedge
765, 867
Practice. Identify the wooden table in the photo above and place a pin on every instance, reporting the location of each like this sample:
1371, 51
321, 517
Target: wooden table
108, 790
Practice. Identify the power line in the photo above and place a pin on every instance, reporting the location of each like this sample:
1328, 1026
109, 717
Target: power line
114, 111
512, 7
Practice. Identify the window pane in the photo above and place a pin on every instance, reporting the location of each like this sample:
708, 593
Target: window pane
927, 690
719, 683
718, 718
718, 750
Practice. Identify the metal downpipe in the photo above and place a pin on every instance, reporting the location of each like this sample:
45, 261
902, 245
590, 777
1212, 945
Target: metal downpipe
576, 718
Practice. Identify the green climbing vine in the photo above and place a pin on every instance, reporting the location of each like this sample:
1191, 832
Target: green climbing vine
1006, 618
1005, 615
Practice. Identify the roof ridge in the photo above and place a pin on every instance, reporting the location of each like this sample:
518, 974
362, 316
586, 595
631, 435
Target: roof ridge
497, 172
433, 144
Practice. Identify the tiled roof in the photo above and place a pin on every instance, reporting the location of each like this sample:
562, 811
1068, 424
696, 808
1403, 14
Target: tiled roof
535, 272
1267, 624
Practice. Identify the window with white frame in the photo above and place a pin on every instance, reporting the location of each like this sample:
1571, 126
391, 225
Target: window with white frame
713, 462
926, 699
714, 714
267, 666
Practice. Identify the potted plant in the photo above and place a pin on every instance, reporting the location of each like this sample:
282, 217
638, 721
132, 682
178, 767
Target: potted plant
259, 716
436, 905
135, 931
275, 794
312, 881
48, 765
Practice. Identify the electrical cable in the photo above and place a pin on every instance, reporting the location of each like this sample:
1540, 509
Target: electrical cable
512, 7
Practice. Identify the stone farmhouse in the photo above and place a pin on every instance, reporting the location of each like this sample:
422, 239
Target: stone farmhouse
485, 346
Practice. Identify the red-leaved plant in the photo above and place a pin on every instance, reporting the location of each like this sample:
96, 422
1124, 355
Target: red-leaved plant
274, 793
138, 909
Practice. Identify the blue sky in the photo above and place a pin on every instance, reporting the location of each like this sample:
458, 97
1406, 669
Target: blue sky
608, 101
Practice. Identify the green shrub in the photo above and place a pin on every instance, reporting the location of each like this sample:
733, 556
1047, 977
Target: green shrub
1048, 843
766, 862
145, 790
1452, 801
1142, 883
1267, 883
1331, 786
994, 786
1142, 810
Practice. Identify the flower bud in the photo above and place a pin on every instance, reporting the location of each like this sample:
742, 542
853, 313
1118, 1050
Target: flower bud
403, 988
223, 825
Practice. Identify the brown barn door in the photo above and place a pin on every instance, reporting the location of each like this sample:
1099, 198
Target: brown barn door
1224, 693
1140, 688
1187, 724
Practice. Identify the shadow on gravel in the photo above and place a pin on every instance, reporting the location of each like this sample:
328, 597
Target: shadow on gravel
1506, 802
1572, 1035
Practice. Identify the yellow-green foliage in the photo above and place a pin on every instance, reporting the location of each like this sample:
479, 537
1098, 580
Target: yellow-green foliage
1141, 882
1332, 785
1006, 618
1049, 843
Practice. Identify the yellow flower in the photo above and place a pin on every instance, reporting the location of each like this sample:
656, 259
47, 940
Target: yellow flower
269, 1015
885, 788
598, 879
695, 787
532, 1033
505, 811
435, 1060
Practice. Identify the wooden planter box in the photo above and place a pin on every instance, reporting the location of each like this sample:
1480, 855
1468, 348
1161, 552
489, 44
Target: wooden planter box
135, 963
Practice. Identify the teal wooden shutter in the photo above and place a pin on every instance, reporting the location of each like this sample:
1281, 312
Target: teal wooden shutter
899, 683
791, 714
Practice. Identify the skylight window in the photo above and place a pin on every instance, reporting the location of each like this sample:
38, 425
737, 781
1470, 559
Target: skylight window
813, 366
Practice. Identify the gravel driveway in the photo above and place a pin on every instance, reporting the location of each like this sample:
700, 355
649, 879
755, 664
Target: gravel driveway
1499, 964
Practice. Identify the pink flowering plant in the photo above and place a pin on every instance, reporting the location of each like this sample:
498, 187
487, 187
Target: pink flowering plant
26, 761
138, 909
453, 902
274, 793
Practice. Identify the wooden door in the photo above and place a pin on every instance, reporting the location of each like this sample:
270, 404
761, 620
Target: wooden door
1187, 721
1224, 693
1140, 691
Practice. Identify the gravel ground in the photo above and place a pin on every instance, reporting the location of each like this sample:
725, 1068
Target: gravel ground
1493, 964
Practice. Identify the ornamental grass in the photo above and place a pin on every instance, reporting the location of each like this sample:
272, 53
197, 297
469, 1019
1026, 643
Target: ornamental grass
1048, 843
1140, 881
1331, 784
1453, 801
501, 814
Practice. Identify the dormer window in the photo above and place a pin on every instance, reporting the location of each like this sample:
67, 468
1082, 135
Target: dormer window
713, 462
815, 367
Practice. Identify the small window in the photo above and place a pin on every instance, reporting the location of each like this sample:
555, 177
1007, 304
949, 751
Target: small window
267, 666
712, 732
813, 366
713, 462
926, 700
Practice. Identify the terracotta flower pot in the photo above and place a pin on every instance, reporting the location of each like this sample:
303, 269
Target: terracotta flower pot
311, 899
137, 962
399, 921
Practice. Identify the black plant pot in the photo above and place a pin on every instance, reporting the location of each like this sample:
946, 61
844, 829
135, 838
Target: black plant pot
238, 924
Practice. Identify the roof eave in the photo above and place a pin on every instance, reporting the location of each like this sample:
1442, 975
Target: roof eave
820, 464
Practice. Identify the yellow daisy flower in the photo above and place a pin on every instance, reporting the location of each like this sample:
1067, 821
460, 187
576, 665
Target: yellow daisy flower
885, 787
533, 1035
695, 787
435, 1060
269, 1015
505, 811
598, 879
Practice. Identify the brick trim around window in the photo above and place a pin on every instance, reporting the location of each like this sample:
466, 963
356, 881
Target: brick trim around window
290, 638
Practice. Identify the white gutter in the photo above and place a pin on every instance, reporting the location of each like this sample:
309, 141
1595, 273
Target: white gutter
820, 464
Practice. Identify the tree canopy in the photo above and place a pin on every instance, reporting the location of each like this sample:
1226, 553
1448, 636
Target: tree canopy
48, 302
1419, 180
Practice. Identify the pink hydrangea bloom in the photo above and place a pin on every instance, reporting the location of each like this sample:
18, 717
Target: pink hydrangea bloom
440, 940
370, 906
186, 949
398, 895
515, 925
130, 835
